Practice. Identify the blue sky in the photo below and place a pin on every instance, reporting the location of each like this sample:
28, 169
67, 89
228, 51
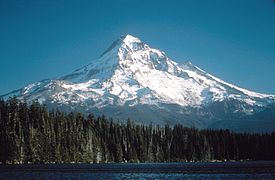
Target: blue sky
233, 40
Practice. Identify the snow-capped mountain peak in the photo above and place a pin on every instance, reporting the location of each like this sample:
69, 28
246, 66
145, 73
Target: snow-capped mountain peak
127, 42
128, 39
130, 76
130, 71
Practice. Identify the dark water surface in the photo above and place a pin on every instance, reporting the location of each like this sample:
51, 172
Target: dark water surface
224, 170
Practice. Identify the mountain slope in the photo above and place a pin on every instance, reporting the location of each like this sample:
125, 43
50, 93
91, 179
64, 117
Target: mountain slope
130, 79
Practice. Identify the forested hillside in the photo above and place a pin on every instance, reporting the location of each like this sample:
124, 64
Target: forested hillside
33, 134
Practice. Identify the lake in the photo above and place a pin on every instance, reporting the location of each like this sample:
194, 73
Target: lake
196, 170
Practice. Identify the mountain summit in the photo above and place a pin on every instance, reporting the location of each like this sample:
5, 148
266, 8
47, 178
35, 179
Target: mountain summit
130, 79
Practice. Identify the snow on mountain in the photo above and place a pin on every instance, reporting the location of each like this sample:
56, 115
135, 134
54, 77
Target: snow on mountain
130, 74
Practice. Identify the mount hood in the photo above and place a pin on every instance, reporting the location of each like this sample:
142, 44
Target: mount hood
132, 80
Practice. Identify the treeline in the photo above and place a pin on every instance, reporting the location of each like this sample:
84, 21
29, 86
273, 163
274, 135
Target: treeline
33, 134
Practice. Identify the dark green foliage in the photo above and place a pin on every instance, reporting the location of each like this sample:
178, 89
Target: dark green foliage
32, 134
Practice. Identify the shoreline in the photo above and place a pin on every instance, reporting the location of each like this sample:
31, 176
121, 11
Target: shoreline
258, 167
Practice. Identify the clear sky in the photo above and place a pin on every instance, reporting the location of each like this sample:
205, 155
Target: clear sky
232, 39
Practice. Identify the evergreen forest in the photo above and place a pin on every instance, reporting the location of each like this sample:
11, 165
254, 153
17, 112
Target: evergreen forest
35, 134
